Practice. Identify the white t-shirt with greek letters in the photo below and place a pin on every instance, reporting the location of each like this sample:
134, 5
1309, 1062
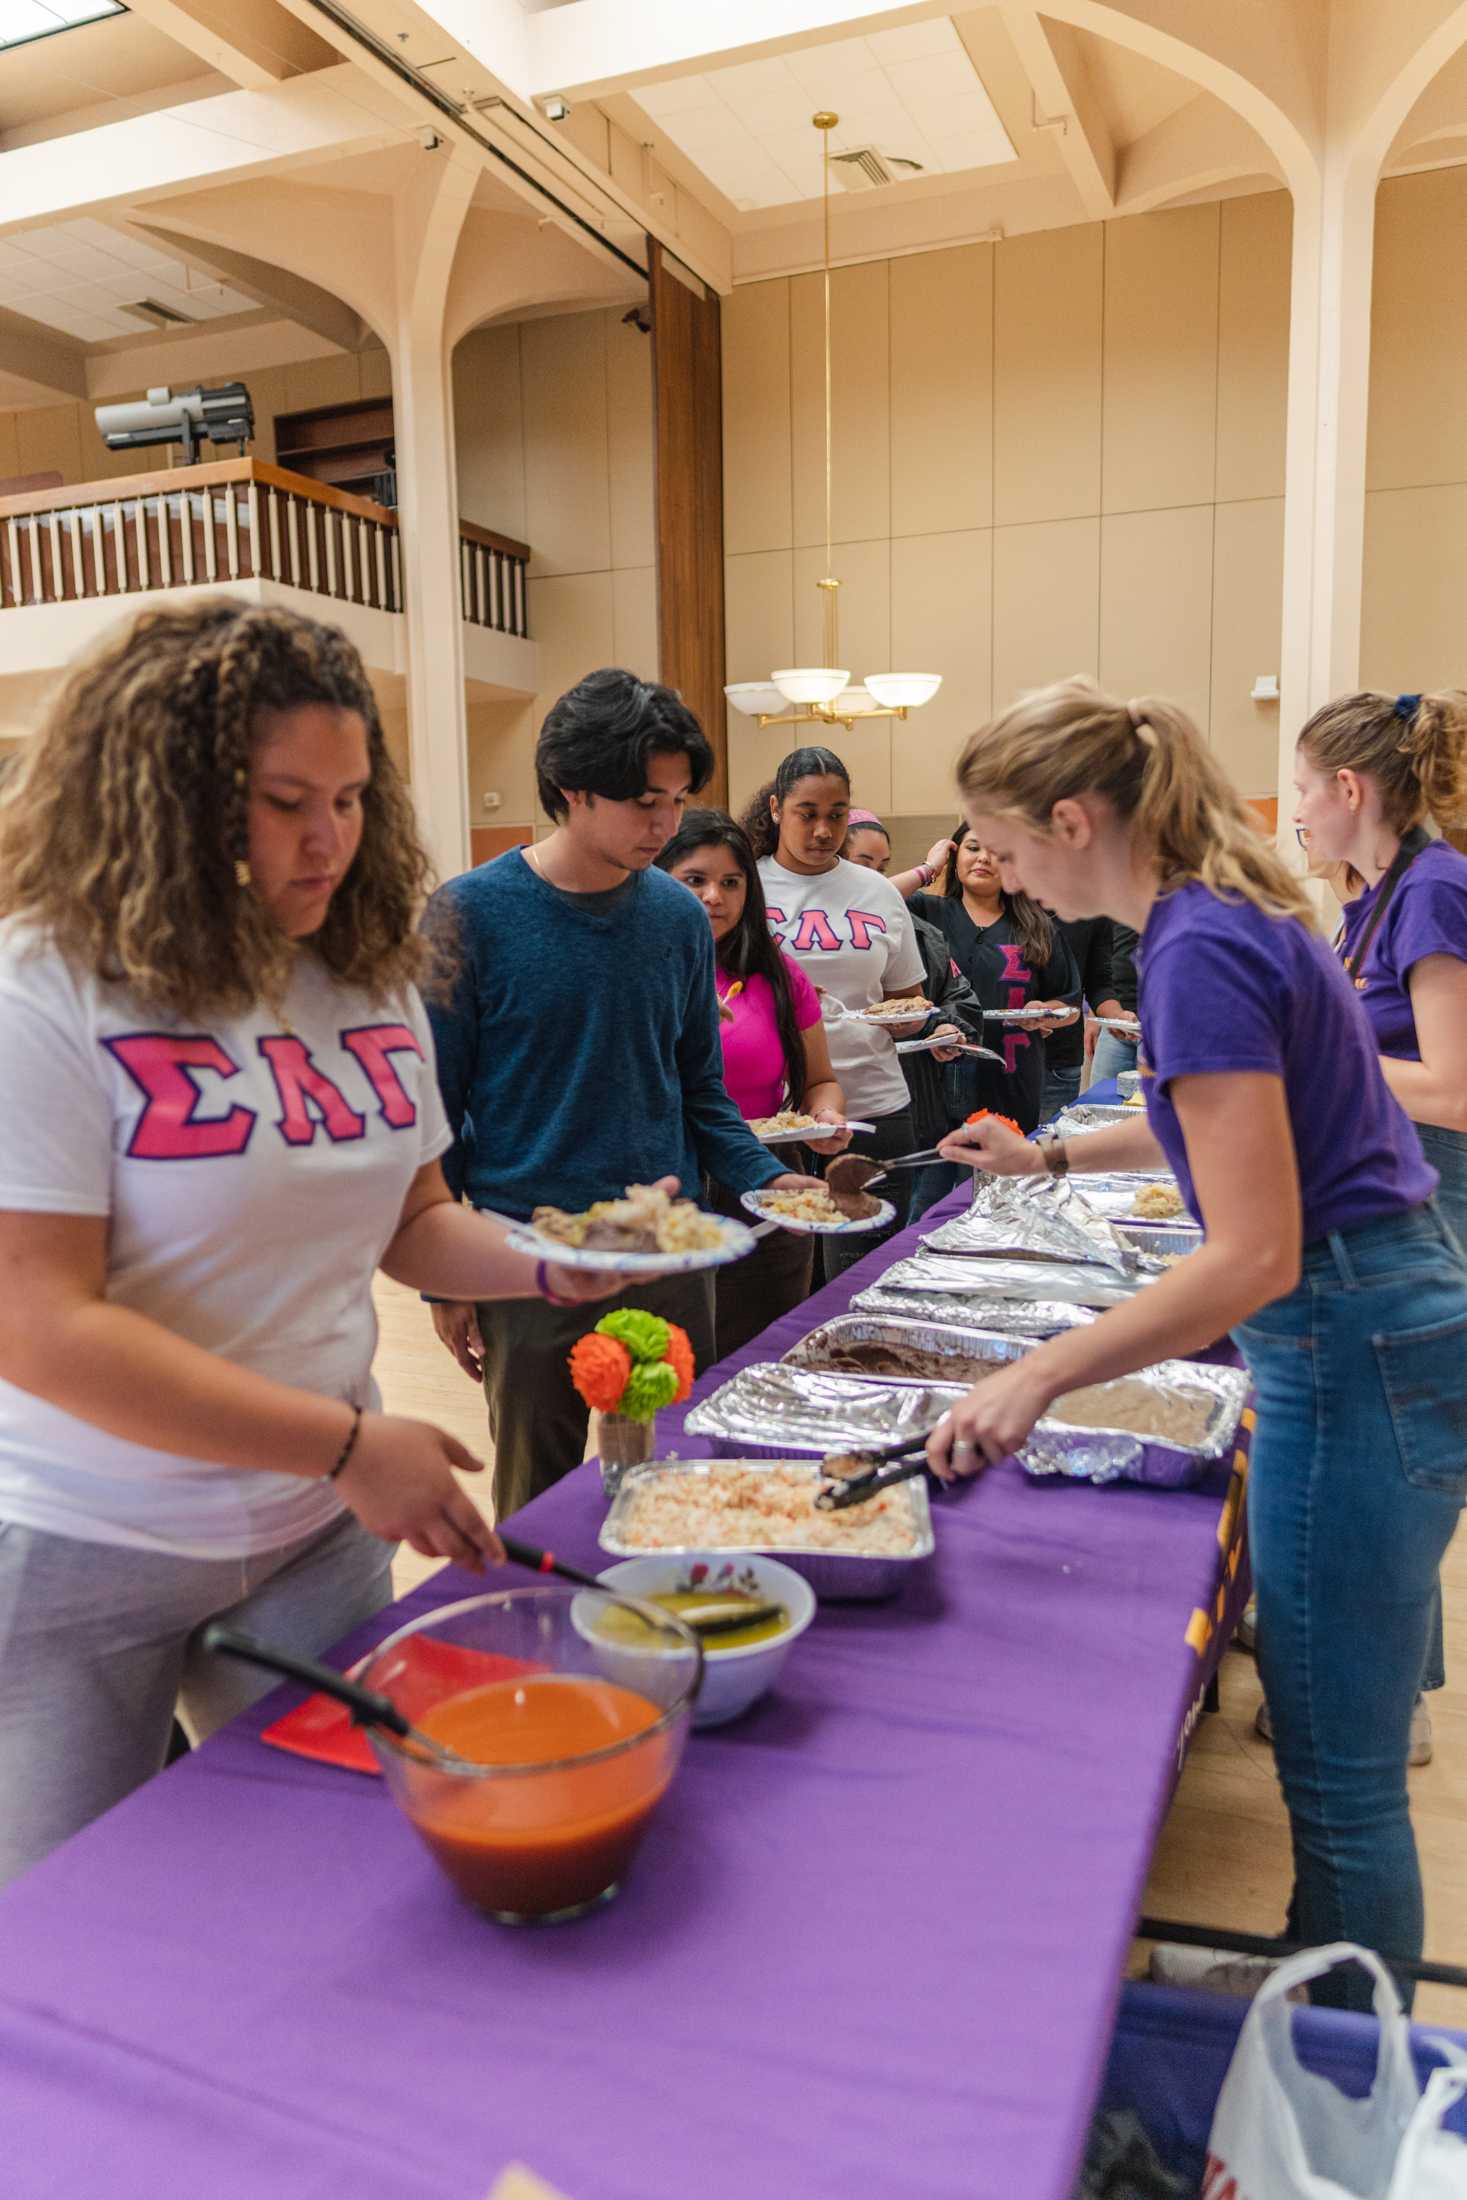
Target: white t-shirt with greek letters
849, 931
252, 1172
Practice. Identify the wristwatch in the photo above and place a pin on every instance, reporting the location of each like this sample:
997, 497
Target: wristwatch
1056, 1156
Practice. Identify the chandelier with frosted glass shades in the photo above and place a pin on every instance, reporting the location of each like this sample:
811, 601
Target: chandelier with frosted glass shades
822, 694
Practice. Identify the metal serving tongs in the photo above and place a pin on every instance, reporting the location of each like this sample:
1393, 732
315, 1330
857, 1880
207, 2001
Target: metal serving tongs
901, 1461
851, 1174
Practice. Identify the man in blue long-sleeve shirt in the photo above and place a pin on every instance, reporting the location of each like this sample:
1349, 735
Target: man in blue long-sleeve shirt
579, 1050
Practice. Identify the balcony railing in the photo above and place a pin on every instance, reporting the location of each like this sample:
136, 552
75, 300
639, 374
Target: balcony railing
238, 520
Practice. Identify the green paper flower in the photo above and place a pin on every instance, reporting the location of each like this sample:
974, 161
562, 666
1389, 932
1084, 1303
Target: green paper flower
645, 1336
651, 1384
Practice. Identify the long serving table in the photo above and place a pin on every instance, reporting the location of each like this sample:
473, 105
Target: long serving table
872, 1945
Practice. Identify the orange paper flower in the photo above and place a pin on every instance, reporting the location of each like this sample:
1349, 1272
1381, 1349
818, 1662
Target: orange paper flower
680, 1359
988, 1115
599, 1369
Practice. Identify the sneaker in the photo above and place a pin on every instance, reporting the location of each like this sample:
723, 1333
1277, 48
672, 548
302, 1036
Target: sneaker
1247, 1635
1420, 1750
1214, 1971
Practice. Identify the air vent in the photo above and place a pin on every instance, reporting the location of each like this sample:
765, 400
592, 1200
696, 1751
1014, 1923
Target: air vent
159, 316
868, 170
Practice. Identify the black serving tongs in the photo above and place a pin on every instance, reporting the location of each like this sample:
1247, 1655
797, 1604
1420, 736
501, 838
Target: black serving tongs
883, 1466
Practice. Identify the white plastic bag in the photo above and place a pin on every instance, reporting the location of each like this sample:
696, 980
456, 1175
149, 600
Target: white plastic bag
1280, 2132
1432, 2163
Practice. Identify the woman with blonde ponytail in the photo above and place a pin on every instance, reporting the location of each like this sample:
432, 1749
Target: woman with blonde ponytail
1325, 1255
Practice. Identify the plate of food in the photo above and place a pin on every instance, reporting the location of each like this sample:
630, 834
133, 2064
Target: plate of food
904, 1008
772, 1130
1037, 1012
817, 1214
648, 1233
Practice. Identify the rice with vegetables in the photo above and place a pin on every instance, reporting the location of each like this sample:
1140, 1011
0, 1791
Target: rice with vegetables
731, 1507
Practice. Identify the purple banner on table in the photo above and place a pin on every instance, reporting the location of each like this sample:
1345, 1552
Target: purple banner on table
872, 1945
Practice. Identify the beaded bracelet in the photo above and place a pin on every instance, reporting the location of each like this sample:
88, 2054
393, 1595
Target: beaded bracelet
543, 1290
349, 1446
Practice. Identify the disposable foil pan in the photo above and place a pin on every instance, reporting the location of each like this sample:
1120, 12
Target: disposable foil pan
1161, 1241
1032, 1218
831, 1574
1116, 1196
1024, 1318
767, 1412
1088, 1115
940, 1344
1098, 1454
965, 1276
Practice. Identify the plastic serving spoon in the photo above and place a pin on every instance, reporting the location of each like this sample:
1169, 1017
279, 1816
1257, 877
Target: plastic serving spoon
365, 1705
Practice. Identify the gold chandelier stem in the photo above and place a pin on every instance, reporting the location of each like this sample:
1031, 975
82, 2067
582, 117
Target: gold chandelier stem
825, 196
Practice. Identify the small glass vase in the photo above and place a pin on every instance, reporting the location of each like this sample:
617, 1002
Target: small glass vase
622, 1443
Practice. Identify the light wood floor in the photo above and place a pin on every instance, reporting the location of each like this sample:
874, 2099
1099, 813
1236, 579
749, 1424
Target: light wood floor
1223, 1856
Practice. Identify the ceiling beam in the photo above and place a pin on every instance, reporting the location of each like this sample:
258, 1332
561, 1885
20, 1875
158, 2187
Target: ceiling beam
31, 352
1052, 56
268, 284
246, 40
207, 141
1200, 146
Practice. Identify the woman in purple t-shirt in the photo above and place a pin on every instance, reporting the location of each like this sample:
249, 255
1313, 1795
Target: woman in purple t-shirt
775, 1054
1325, 1255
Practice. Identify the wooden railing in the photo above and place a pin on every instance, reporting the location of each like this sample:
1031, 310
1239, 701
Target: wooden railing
492, 570
241, 519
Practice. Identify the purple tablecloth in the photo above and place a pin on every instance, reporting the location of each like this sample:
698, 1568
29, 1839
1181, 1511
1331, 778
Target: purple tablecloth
872, 1945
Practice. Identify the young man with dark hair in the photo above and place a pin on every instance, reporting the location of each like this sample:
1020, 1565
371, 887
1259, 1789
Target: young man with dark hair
579, 1049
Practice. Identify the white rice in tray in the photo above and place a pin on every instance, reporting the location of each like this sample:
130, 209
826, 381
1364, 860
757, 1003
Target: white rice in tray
733, 1507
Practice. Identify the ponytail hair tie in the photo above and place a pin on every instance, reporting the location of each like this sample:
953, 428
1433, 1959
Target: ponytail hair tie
1141, 725
1406, 706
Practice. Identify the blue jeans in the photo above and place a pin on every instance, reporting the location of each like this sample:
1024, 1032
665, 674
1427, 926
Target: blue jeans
1447, 1152
933, 1183
1061, 1088
1112, 1055
1359, 1474
893, 1135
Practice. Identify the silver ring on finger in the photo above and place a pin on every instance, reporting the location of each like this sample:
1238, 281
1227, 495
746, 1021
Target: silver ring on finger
963, 1443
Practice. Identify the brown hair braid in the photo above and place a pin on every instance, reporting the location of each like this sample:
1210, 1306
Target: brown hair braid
124, 833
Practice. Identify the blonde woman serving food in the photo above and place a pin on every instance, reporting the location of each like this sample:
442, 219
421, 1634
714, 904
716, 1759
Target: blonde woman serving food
221, 1117
1326, 1255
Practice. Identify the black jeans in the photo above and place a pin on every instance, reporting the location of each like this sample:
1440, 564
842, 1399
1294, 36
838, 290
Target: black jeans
775, 1278
894, 1134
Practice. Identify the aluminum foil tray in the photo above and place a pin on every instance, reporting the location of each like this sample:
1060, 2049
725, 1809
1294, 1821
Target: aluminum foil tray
1088, 1115
1025, 1318
937, 1342
832, 1574
1115, 1195
1034, 1218
1161, 1240
1110, 1455
965, 1275
767, 1412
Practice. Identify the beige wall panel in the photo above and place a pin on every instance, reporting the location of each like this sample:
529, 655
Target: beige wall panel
1247, 617
1046, 375
1412, 632
1156, 606
1253, 345
267, 391
502, 761
629, 434
9, 446
566, 458
489, 431
941, 618
332, 381
942, 391
634, 619
756, 418
1046, 605
860, 404
759, 613
1418, 392
374, 369
573, 620
49, 440
864, 572
1160, 360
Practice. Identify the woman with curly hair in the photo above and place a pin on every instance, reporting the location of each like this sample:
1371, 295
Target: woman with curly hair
221, 1117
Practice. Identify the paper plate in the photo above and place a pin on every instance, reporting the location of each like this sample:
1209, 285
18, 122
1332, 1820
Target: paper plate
816, 1134
735, 1240
754, 1203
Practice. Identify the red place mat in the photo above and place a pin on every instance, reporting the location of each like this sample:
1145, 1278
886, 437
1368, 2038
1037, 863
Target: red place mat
427, 1670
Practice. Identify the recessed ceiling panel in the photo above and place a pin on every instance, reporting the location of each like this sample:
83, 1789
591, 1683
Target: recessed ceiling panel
82, 277
23, 20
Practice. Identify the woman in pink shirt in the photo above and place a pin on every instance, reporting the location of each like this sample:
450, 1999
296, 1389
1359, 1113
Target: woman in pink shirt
775, 1053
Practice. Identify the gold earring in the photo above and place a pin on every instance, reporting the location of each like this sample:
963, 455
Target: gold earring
243, 876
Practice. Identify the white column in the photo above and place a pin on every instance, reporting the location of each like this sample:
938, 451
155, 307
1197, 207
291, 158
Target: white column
427, 225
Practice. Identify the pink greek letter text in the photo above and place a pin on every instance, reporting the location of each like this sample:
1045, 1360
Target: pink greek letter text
170, 1127
374, 1045
302, 1087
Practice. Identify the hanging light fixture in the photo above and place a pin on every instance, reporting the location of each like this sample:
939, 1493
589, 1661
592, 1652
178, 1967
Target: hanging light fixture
823, 694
